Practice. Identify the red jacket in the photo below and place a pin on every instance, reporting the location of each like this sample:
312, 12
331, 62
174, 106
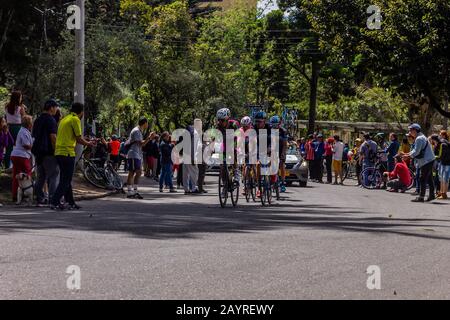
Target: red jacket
401, 172
309, 151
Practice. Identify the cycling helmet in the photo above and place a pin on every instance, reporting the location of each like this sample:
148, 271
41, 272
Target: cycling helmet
261, 115
246, 121
223, 114
275, 120
415, 126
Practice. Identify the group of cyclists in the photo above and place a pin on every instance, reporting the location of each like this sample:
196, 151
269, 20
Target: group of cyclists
258, 137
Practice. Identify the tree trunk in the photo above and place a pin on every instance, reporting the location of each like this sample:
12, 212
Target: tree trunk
5, 32
313, 84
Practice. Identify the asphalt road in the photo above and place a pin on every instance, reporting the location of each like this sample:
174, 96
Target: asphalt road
315, 244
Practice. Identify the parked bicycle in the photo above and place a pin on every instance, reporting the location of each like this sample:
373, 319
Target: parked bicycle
101, 177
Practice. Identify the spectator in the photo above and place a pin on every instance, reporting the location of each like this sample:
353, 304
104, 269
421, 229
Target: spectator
153, 153
392, 151
190, 170
166, 163
6, 139
368, 153
14, 110
123, 155
114, 148
357, 159
338, 152
319, 150
405, 147
328, 153
443, 156
68, 135
423, 153
399, 178
309, 150
44, 134
135, 157
21, 154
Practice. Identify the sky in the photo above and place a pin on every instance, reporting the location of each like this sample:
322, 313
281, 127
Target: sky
267, 5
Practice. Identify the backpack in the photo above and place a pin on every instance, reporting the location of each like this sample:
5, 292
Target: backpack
127, 146
372, 153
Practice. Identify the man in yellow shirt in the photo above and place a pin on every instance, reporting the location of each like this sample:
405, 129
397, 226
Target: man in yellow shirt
69, 134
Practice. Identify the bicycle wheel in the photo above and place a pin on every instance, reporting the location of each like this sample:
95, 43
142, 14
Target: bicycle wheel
253, 184
276, 189
247, 186
94, 176
371, 178
413, 180
269, 190
223, 189
234, 193
114, 178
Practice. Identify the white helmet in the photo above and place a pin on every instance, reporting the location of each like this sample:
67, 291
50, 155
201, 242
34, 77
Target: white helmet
223, 114
246, 121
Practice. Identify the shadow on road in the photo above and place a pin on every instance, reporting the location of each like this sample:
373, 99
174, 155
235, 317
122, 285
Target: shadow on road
168, 220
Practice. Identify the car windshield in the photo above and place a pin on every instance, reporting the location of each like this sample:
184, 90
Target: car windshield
292, 151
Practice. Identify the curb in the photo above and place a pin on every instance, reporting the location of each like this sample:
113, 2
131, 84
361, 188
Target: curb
94, 197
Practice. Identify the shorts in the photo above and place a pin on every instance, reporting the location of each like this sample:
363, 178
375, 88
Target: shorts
134, 165
444, 173
114, 159
337, 166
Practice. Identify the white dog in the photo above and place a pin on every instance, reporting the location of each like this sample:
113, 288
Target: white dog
25, 190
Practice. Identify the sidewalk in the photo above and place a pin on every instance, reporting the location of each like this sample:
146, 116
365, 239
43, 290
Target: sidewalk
82, 190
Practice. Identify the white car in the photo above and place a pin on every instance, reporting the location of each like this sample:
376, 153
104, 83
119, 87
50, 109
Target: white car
296, 168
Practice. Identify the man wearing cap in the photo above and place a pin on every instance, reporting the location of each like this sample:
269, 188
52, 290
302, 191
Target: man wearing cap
44, 134
424, 157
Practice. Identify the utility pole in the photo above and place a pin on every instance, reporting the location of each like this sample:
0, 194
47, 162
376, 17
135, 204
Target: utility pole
79, 66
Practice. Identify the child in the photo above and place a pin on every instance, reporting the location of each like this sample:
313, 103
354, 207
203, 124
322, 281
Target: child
6, 139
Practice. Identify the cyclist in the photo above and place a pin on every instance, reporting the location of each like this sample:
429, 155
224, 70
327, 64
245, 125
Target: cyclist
224, 123
261, 124
246, 125
275, 123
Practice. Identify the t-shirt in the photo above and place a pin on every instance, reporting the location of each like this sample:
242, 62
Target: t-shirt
66, 139
115, 147
15, 118
43, 127
23, 139
136, 137
338, 151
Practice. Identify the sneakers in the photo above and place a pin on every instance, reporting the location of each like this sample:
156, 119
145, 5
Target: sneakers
59, 207
138, 196
418, 199
173, 191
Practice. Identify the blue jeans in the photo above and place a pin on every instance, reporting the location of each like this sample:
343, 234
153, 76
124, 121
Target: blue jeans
66, 169
166, 175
